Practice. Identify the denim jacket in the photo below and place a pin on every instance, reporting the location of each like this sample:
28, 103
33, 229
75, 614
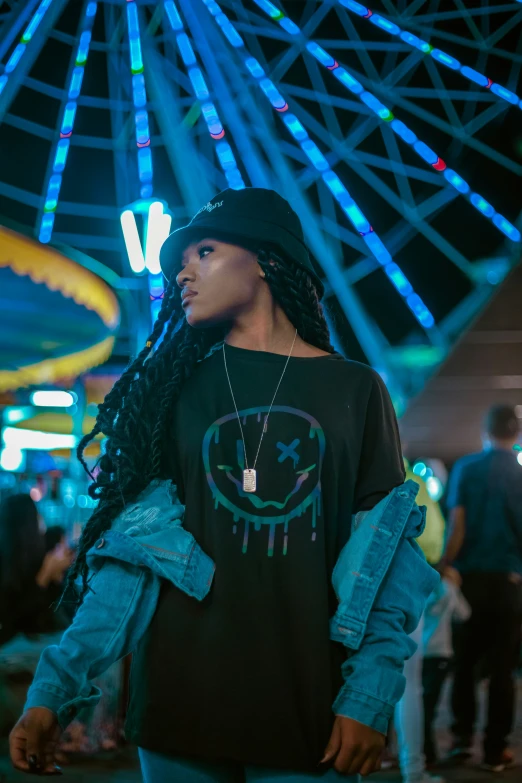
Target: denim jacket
381, 579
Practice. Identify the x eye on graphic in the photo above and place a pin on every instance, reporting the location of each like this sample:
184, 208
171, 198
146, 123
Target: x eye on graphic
289, 451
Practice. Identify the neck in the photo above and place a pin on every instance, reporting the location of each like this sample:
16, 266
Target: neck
502, 445
264, 329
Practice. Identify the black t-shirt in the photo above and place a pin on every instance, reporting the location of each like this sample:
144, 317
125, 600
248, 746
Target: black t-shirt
250, 674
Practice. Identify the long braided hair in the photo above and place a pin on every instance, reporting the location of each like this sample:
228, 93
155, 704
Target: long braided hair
135, 414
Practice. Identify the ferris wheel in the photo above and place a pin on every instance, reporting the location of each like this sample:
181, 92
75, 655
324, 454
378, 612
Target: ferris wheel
391, 129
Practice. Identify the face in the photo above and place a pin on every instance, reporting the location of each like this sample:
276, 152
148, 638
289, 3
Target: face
219, 282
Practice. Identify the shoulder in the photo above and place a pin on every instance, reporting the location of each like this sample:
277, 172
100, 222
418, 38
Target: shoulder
364, 386
357, 370
464, 464
369, 382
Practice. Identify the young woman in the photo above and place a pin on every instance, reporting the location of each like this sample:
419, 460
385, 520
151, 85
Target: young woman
273, 440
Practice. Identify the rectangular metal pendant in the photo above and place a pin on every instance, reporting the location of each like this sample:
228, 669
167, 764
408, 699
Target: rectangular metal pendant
249, 480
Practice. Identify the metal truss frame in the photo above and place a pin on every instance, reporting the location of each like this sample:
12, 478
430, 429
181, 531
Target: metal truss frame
268, 157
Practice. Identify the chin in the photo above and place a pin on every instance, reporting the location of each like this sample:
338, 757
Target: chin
202, 320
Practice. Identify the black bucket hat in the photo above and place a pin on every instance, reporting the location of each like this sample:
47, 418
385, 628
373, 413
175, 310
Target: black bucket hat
248, 217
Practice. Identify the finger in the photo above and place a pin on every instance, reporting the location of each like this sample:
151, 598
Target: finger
17, 745
50, 767
334, 745
358, 761
53, 770
372, 764
49, 754
36, 751
346, 756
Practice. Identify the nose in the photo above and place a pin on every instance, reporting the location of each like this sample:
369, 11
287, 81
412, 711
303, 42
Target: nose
184, 276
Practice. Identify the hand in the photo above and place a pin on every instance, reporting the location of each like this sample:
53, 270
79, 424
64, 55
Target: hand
55, 564
33, 741
356, 748
452, 575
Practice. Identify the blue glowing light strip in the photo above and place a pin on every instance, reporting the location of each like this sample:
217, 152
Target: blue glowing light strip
20, 48
334, 184
401, 129
142, 128
61, 149
440, 56
139, 98
215, 127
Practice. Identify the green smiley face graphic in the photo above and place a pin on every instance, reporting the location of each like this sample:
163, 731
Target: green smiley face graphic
297, 464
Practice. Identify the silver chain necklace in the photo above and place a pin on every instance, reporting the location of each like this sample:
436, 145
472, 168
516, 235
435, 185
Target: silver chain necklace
250, 474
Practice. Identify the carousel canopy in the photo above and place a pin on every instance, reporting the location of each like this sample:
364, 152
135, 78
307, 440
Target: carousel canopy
57, 318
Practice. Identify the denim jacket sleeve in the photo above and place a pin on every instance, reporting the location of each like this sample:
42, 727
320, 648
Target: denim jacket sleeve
108, 625
374, 681
145, 544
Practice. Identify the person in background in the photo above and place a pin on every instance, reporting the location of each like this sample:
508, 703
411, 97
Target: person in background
445, 606
53, 536
409, 710
56, 539
485, 546
27, 573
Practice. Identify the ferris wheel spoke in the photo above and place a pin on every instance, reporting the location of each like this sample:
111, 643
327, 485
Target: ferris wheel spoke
469, 21
364, 58
429, 31
57, 160
399, 172
445, 100
319, 87
446, 16
484, 118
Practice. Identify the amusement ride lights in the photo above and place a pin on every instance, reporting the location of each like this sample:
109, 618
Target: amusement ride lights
20, 48
224, 151
157, 222
330, 178
399, 127
423, 46
61, 149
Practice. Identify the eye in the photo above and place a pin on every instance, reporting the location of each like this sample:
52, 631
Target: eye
203, 250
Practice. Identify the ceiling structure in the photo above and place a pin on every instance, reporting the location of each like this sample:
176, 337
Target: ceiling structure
393, 130
484, 369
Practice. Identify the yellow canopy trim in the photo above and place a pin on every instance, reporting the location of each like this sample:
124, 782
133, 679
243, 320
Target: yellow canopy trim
44, 264
49, 371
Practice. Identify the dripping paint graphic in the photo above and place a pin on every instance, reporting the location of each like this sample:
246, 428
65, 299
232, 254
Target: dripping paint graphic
256, 509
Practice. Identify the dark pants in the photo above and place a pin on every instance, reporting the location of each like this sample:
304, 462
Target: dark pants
434, 673
492, 633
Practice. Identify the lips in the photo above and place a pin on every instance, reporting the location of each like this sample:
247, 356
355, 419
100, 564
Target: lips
186, 295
